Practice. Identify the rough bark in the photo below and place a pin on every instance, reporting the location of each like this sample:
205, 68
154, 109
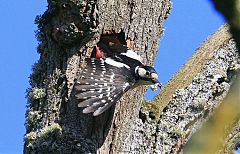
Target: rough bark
68, 31
223, 126
201, 85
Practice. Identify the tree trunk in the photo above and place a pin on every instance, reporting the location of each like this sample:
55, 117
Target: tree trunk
68, 31
221, 132
195, 92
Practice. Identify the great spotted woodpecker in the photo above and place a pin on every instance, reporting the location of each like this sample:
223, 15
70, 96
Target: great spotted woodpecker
104, 80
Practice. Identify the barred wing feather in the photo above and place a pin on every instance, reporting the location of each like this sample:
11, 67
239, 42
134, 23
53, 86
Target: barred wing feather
101, 85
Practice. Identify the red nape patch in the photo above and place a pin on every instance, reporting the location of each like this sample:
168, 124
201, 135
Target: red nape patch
99, 53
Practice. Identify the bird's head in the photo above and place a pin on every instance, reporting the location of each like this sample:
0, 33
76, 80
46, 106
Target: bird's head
147, 75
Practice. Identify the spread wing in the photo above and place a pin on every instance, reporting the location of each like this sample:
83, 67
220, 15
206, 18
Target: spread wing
101, 84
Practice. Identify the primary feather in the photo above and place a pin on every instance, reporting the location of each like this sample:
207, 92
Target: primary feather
101, 85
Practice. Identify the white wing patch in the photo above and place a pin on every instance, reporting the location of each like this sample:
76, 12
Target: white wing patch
112, 62
131, 54
125, 85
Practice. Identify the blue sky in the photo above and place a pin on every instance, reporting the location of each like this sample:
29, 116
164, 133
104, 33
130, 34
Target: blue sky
18, 53
189, 24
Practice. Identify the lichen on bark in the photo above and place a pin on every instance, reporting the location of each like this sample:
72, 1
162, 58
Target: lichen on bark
68, 31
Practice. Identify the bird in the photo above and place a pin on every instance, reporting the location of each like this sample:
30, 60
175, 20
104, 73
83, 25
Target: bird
108, 46
107, 77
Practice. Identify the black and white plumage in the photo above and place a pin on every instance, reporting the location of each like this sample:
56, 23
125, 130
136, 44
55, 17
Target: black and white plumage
103, 81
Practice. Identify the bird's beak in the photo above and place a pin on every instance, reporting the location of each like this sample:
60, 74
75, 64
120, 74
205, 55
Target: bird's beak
156, 82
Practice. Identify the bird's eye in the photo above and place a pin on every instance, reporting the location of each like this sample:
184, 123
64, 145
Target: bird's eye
147, 73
